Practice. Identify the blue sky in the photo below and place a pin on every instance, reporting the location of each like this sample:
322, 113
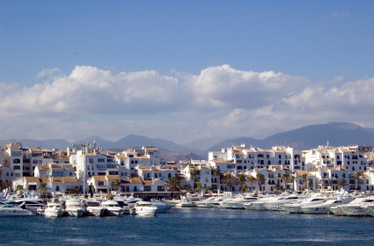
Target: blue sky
315, 49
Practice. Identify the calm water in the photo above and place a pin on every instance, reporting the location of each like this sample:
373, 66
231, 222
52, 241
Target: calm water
191, 227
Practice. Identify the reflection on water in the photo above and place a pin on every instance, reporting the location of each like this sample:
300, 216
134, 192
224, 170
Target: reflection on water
191, 226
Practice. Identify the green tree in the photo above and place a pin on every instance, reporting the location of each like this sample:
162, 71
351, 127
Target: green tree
42, 190
230, 180
194, 173
286, 179
115, 184
260, 178
357, 176
241, 180
341, 183
76, 190
198, 187
244, 188
19, 187
251, 180
173, 184
208, 189
292, 181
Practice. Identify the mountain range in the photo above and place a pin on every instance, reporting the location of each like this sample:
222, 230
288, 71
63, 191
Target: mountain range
337, 134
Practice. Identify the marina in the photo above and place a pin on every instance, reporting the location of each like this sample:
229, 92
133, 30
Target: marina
186, 226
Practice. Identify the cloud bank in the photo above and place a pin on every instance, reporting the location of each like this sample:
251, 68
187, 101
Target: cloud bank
220, 101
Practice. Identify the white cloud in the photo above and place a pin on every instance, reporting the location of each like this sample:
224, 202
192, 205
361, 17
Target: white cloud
226, 87
48, 71
315, 104
220, 101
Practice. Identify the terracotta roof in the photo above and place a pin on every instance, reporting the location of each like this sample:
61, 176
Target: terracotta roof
181, 176
43, 168
35, 151
219, 161
301, 173
45, 179
121, 157
174, 165
113, 177
101, 178
90, 154
32, 179
135, 180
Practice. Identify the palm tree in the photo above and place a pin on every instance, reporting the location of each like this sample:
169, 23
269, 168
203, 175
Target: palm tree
208, 189
241, 180
244, 188
115, 184
357, 176
230, 180
251, 180
76, 190
194, 173
341, 183
286, 179
292, 180
42, 189
260, 178
173, 183
19, 187
198, 187
187, 187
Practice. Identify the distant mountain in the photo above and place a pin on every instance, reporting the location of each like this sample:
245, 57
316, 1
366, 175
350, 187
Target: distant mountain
177, 156
100, 142
202, 144
338, 134
134, 140
59, 144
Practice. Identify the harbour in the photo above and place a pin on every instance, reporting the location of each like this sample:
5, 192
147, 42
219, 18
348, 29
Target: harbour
190, 226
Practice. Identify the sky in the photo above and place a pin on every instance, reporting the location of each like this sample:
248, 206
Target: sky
183, 70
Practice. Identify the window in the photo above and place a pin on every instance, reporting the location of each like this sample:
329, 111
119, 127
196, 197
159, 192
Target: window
160, 188
101, 160
169, 175
16, 161
90, 160
100, 183
17, 175
16, 167
155, 175
35, 161
146, 188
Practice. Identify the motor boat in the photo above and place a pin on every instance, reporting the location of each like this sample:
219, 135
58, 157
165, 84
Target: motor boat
144, 209
54, 209
74, 208
237, 203
30, 204
112, 208
277, 203
294, 208
207, 203
162, 207
257, 205
324, 208
358, 207
13, 210
131, 201
94, 208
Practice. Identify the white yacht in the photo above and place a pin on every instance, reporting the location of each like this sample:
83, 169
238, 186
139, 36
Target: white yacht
358, 207
144, 208
94, 208
54, 209
207, 203
238, 202
131, 201
324, 207
257, 205
277, 203
162, 207
30, 204
74, 208
293, 208
12, 210
112, 208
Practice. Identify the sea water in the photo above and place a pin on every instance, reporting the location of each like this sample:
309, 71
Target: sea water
190, 226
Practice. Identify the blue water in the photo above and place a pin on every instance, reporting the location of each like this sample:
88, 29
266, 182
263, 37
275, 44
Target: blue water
190, 227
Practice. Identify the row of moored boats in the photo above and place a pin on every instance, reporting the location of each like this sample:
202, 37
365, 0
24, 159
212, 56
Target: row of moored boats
78, 207
338, 203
